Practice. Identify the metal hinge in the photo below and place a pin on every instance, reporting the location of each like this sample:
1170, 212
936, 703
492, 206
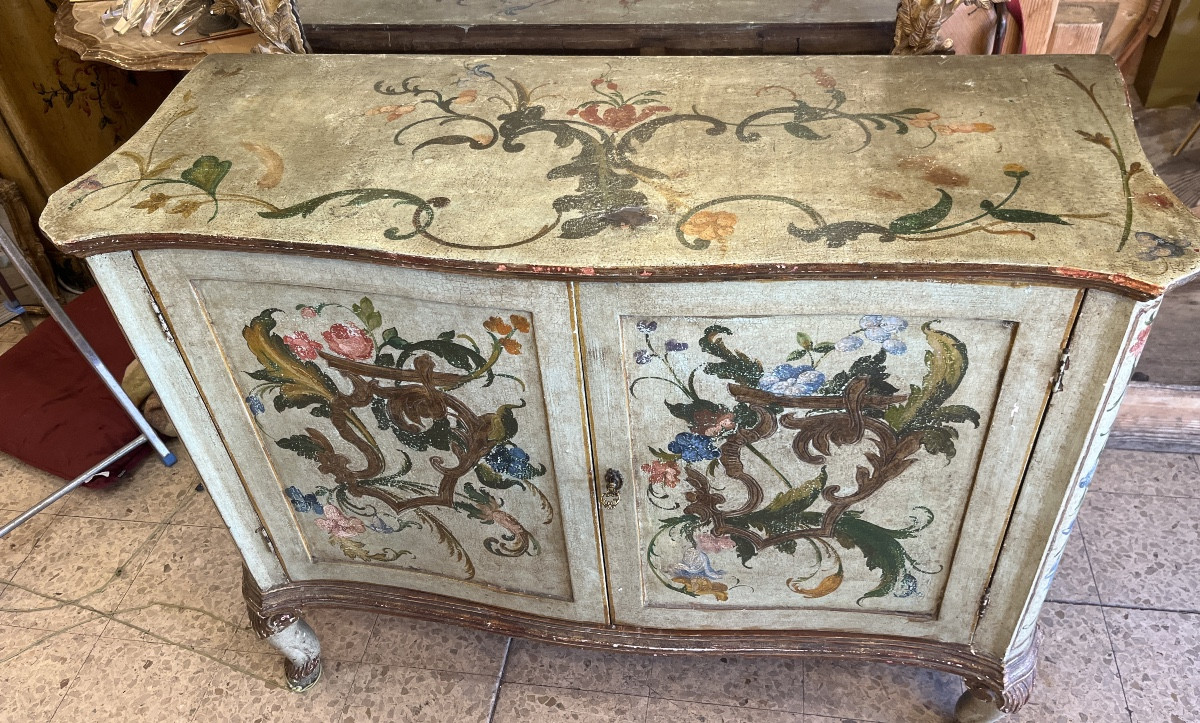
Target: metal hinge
262, 531
162, 322
1064, 363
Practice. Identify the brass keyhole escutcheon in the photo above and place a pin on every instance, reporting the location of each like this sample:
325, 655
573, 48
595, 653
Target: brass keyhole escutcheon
613, 482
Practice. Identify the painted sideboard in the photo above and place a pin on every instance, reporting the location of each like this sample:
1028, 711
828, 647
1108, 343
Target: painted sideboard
806, 356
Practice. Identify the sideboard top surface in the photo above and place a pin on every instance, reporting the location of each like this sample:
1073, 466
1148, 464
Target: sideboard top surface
591, 12
651, 168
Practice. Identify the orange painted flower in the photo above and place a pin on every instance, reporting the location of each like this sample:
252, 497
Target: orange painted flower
467, 96
710, 225
922, 120
618, 118
663, 473
393, 111
512, 346
185, 208
154, 202
965, 128
496, 325
520, 323
703, 586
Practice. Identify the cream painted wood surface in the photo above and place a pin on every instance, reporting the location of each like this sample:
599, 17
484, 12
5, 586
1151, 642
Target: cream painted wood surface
517, 529
628, 167
645, 353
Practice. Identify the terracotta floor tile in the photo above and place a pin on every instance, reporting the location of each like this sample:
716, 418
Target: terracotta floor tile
19, 543
387, 693
436, 646
151, 493
879, 692
344, 634
1074, 581
1147, 473
534, 704
196, 567
744, 682
25, 485
559, 666
36, 679
672, 711
92, 561
131, 681
231, 696
1157, 654
1145, 551
1077, 677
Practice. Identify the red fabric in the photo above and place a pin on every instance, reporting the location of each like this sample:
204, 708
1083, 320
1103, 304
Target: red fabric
55, 413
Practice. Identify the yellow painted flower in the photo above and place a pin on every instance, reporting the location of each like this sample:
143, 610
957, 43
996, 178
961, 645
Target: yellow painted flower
154, 202
710, 225
703, 586
185, 208
519, 323
496, 325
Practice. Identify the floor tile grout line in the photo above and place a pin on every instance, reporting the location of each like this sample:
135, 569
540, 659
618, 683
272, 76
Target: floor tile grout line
1117, 664
499, 682
1087, 556
82, 665
1120, 606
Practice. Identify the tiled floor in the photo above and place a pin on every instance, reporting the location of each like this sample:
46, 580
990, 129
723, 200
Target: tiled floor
124, 604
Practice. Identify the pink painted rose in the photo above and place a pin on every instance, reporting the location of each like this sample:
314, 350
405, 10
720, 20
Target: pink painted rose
308, 312
663, 473
1140, 342
617, 118
302, 346
710, 544
338, 525
349, 341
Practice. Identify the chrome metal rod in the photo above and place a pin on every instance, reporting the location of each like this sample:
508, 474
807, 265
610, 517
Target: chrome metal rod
56, 312
72, 485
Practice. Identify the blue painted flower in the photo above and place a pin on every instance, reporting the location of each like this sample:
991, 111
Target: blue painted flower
645, 326
641, 356
693, 447
696, 564
881, 329
1154, 246
304, 502
377, 524
511, 460
895, 346
848, 343
905, 586
256, 405
673, 345
792, 380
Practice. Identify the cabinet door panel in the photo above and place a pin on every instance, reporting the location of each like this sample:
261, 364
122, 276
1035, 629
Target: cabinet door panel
816, 455
398, 427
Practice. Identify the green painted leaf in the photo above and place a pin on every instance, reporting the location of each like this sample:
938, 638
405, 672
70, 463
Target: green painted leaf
301, 383
301, 444
803, 132
206, 173
872, 367
922, 220
735, 366
488, 477
946, 364
787, 512
824, 347
1020, 215
366, 313
881, 551
911, 111
798, 354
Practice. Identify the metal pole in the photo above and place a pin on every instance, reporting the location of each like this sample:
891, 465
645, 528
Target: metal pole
56, 312
73, 484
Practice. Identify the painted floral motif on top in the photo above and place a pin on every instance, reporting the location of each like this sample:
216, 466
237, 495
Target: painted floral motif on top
712, 516
604, 127
413, 392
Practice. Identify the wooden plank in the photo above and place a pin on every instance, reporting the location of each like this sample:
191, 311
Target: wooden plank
1158, 418
1072, 38
1039, 24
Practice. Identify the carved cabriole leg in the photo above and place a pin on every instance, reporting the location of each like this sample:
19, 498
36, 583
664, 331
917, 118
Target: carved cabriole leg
990, 700
289, 635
